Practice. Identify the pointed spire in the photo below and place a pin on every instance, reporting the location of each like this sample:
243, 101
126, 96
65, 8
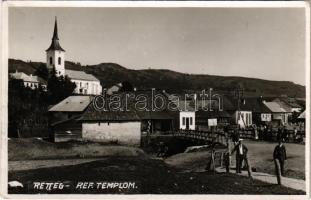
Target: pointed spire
55, 34
55, 40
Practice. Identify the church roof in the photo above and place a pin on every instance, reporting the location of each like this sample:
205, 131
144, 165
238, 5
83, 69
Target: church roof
55, 40
80, 75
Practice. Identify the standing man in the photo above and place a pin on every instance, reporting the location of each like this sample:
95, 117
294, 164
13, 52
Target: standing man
280, 155
241, 154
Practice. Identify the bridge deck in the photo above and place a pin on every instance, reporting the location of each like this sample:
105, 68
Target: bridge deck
206, 136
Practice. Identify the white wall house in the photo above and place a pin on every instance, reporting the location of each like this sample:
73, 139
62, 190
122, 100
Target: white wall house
126, 132
30, 81
55, 58
243, 118
278, 113
121, 127
187, 120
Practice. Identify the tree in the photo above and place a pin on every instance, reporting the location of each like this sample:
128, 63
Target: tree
27, 109
126, 87
294, 117
42, 71
59, 87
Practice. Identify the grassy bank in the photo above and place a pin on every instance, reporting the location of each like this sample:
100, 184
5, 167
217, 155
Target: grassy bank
151, 177
36, 149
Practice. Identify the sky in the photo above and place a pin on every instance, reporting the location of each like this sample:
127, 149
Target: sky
266, 43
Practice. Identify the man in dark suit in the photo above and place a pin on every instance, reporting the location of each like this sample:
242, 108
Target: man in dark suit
280, 155
240, 155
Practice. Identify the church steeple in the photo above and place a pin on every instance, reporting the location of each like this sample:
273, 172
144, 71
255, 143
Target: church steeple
55, 33
55, 54
55, 40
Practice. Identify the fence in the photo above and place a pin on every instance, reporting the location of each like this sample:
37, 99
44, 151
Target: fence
206, 136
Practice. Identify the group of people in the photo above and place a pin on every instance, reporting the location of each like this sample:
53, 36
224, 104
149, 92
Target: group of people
282, 133
279, 156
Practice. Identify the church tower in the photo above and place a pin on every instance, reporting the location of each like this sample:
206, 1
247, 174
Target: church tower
55, 54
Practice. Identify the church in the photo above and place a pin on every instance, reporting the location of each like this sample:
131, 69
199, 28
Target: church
86, 84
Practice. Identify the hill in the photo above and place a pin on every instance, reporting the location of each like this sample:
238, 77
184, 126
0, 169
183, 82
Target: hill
111, 73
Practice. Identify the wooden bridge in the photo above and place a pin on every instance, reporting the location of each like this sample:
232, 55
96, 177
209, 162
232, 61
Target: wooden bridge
204, 136
213, 136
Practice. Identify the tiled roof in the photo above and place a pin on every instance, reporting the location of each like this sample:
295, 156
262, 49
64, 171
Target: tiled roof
80, 75
185, 105
26, 78
131, 114
19, 75
155, 115
100, 115
291, 102
275, 107
212, 114
55, 46
72, 104
252, 104
255, 105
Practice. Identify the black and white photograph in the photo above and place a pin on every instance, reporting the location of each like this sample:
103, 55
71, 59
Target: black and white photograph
173, 100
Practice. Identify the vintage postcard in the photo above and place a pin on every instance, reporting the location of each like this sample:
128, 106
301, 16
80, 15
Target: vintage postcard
160, 98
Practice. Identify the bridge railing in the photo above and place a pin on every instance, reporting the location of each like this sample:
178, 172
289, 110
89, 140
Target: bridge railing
211, 136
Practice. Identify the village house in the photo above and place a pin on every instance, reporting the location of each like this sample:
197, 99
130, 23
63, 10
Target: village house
196, 113
113, 89
64, 117
121, 127
261, 114
86, 84
289, 104
279, 114
29, 81
185, 112
155, 121
70, 107
76, 118
210, 113
186, 115
205, 120
240, 112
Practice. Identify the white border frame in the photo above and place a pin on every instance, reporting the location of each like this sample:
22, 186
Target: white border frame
4, 90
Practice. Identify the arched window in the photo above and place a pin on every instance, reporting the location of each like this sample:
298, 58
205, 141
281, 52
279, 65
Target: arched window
51, 60
59, 60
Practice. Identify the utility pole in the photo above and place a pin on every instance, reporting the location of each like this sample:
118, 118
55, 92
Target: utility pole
239, 92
